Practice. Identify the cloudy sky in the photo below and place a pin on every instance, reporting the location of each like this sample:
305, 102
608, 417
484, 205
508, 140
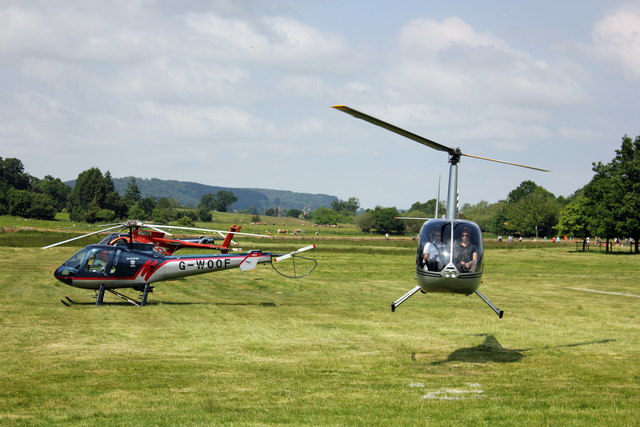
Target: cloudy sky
238, 93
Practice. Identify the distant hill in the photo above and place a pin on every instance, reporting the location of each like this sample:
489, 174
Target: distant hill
189, 193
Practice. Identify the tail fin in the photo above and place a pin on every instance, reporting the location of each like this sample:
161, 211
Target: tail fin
227, 240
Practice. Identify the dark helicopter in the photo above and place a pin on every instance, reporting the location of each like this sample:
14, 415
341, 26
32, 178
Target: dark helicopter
450, 253
138, 259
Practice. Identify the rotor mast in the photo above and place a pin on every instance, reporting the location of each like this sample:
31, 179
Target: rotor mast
452, 194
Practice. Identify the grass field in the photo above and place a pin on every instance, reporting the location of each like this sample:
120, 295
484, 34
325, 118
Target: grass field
255, 348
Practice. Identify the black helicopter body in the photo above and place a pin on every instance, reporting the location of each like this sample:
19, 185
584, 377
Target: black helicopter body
122, 266
141, 257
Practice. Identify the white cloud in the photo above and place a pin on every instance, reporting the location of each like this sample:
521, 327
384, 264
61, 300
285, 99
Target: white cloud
271, 39
188, 121
617, 38
450, 61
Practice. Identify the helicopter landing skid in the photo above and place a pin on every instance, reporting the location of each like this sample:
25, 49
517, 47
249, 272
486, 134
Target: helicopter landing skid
404, 297
143, 299
499, 312
100, 296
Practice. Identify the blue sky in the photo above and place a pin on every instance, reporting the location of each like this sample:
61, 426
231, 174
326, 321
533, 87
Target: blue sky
238, 93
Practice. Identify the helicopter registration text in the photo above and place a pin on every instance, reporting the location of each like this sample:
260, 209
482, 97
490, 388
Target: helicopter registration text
201, 264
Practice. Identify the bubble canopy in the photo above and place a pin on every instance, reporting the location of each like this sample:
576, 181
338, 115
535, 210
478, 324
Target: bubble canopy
444, 243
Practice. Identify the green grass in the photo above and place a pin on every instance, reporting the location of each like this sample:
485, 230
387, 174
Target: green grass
254, 348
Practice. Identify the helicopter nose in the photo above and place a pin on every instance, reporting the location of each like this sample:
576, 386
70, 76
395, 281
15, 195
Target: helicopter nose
65, 274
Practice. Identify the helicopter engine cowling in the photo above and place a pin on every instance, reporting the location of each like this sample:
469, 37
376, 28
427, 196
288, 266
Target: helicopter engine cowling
449, 256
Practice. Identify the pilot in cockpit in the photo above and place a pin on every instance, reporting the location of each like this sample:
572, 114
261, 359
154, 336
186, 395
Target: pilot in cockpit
432, 254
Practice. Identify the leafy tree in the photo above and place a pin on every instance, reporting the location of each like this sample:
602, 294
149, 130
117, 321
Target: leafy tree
166, 210
484, 214
533, 213
12, 173
574, 218
136, 212
429, 208
147, 205
19, 202
295, 213
221, 201
204, 214
42, 207
386, 222
366, 221
92, 192
413, 226
350, 206
208, 201
612, 198
57, 190
525, 188
224, 200
325, 216
132, 194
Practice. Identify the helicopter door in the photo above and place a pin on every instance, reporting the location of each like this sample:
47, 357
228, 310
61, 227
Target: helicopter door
98, 261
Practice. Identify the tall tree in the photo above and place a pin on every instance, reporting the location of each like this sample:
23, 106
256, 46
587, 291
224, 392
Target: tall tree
386, 221
92, 193
612, 198
349, 206
224, 200
531, 210
132, 194
57, 190
574, 218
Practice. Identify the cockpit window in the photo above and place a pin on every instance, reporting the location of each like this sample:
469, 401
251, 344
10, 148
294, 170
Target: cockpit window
439, 246
97, 260
76, 260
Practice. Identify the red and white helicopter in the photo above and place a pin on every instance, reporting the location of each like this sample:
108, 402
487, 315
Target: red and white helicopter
142, 257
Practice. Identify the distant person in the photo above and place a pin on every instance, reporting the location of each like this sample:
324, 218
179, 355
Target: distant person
466, 253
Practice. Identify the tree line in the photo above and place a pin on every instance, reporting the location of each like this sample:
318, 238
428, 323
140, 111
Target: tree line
93, 198
607, 207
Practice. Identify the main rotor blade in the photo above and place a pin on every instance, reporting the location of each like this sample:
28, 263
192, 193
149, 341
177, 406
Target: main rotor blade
506, 163
83, 236
207, 229
420, 139
395, 129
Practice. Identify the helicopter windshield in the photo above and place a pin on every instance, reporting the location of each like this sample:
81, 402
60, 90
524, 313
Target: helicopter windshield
440, 245
77, 260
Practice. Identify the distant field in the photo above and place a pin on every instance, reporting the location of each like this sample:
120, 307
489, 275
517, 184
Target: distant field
255, 348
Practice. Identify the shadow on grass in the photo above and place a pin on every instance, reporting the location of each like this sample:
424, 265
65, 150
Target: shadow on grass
489, 351
70, 303
492, 351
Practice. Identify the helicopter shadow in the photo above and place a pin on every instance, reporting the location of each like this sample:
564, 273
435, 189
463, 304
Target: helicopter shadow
69, 303
490, 351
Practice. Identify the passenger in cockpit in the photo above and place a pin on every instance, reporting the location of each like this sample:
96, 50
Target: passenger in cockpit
465, 252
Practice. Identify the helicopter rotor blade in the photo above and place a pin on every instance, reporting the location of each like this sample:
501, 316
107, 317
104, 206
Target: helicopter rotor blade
155, 227
506, 163
83, 236
206, 229
395, 129
422, 140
